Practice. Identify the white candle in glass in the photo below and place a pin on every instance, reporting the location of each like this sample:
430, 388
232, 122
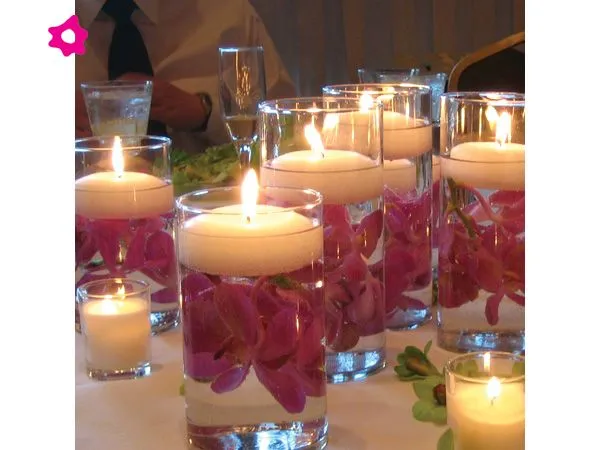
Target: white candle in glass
122, 195
341, 176
401, 174
488, 165
403, 136
249, 239
117, 332
488, 416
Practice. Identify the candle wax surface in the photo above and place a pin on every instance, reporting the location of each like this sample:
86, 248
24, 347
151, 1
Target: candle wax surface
403, 136
486, 165
275, 241
341, 176
107, 195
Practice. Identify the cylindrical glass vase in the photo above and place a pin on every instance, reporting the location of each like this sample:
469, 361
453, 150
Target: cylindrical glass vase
408, 175
333, 146
482, 223
124, 212
253, 318
485, 401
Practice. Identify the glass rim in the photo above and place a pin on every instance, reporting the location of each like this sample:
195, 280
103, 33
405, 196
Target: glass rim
111, 84
407, 88
245, 48
390, 70
180, 202
497, 98
142, 288
448, 156
290, 104
448, 367
154, 143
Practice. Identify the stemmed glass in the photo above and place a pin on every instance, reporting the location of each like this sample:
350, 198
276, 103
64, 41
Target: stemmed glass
242, 88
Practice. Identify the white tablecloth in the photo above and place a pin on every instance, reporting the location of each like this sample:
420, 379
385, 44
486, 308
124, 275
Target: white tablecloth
149, 414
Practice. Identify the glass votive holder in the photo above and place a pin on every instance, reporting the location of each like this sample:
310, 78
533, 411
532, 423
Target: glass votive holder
251, 264
118, 107
408, 178
397, 75
115, 324
124, 213
485, 401
481, 258
333, 146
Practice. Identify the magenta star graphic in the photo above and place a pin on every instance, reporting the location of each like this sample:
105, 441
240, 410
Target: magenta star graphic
67, 48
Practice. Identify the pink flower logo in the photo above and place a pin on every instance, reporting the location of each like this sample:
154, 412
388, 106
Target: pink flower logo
67, 48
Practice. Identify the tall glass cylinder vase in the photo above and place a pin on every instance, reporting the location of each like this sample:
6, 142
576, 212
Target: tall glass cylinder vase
482, 223
251, 264
124, 211
408, 175
333, 146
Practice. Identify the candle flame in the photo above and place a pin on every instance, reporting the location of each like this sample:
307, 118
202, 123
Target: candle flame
249, 195
491, 114
366, 102
107, 306
331, 121
121, 291
314, 140
486, 362
503, 128
493, 389
118, 161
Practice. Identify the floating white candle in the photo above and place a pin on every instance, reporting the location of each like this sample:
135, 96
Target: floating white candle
488, 165
231, 240
122, 195
341, 176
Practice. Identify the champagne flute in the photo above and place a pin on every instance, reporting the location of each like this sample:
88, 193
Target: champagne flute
242, 88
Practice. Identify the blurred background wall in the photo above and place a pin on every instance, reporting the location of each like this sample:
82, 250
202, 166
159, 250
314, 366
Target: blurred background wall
326, 41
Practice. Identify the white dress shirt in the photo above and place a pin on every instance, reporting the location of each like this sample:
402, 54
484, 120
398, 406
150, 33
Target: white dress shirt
182, 38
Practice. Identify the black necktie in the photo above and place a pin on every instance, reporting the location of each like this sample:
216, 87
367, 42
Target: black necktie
127, 51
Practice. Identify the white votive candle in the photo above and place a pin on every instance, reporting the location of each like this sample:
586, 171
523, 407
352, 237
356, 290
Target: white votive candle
479, 421
403, 136
486, 165
129, 195
341, 176
401, 174
224, 242
117, 333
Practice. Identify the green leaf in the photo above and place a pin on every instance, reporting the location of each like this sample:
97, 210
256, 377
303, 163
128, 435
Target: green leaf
424, 390
446, 441
411, 351
407, 375
427, 347
421, 410
439, 415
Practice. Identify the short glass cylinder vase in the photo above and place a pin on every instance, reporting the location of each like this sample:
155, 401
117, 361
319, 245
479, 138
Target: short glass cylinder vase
124, 213
333, 146
407, 164
485, 401
115, 323
481, 287
253, 317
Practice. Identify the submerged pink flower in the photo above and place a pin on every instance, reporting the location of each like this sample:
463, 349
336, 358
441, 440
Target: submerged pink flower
231, 328
353, 290
484, 249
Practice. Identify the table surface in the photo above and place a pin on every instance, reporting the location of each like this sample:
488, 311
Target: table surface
149, 413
